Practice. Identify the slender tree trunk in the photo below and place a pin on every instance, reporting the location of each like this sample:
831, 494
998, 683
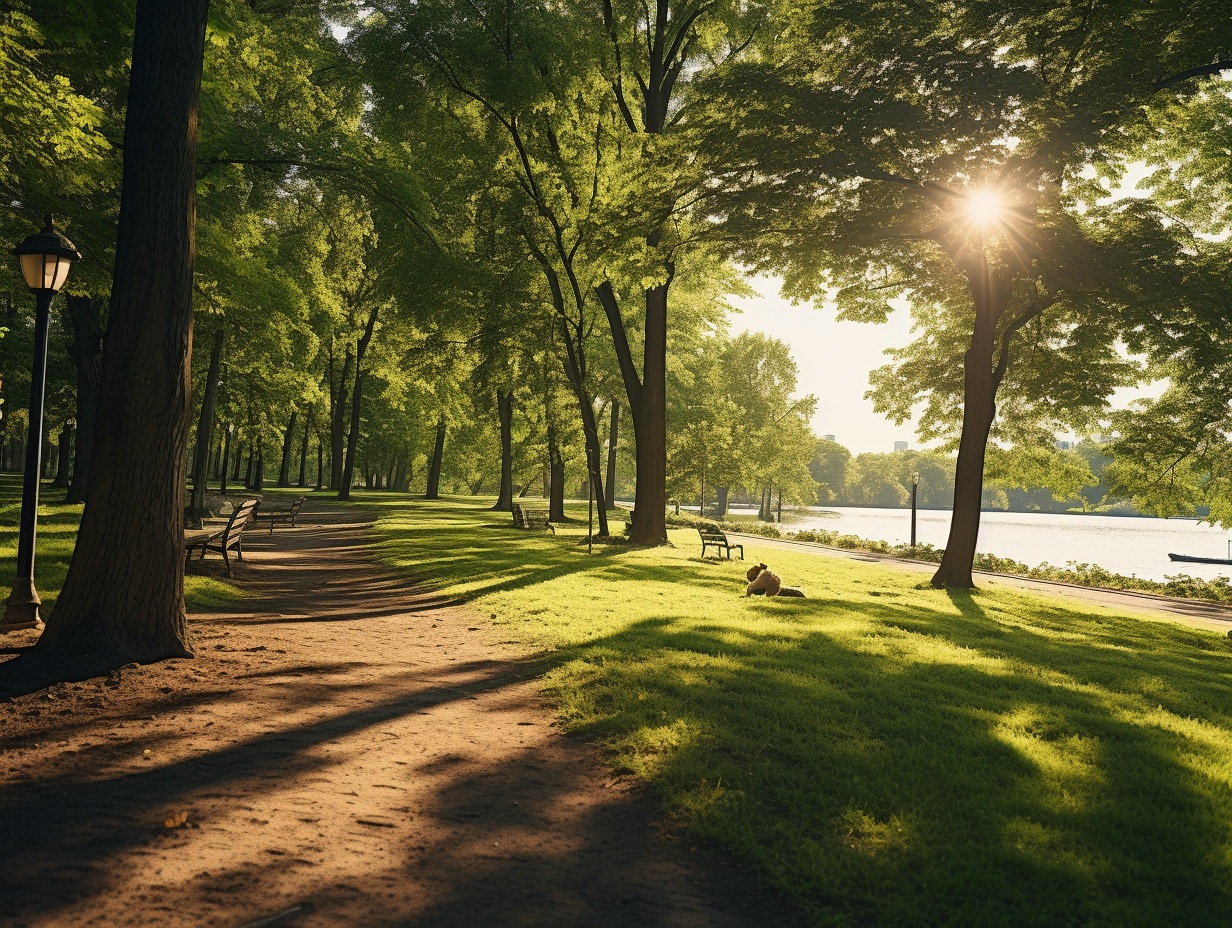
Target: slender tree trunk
556, 478
284, 469
205, 426
87, 353
258, 478
320, 459
239, 460
399, 482
63, 457
357, 395
303, 449
609, 500
720, 503
504, 409
434, 467
248, 470
226, 459
123, 598
337, 428
991, 294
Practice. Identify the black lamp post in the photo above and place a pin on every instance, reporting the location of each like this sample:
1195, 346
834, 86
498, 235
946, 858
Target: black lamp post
915, 485
45, 262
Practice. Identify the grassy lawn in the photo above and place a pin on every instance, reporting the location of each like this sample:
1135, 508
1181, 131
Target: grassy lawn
57, 534
884, 754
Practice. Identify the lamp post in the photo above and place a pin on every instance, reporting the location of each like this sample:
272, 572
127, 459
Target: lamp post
45, 262
915, 485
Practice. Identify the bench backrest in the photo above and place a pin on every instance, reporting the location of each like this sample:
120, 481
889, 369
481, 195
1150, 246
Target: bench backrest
710, 533
297, 505
241, 517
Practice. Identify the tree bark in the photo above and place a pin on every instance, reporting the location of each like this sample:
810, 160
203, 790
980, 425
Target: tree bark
252, 453
504, 410
990, 291
609, 496
284, 469
720, 503
337, 420
205, 426
357, 395
63, 457
258, 475
123, 597
87, 354
303, 448
320, 459
226, 458
239, 460
434, 467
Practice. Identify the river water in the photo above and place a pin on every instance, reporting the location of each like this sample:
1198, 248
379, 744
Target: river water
1123, 545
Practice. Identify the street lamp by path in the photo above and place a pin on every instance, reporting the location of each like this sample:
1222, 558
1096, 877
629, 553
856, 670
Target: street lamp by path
915, 485
45, 262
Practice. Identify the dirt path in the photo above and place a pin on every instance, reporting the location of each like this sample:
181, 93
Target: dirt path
346, 751
1193, 612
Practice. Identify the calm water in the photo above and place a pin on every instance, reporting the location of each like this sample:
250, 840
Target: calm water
1122, 545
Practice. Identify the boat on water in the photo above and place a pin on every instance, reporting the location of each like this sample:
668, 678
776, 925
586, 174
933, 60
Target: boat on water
1192, 559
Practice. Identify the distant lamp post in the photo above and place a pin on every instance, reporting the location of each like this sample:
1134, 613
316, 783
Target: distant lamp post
915, 485
45, 262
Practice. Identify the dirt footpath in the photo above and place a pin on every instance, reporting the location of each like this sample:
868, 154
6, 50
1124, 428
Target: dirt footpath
344, 751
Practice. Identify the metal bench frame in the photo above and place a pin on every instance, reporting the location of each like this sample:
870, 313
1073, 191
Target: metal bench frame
713, 537
222, 539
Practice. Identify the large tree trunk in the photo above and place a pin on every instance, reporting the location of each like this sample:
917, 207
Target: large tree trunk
720, 503
991, 293
609, 497
87, 354
556, 478
504, 411
284, 469
303, 448
357, 395
434, 466
123, 598
205, 427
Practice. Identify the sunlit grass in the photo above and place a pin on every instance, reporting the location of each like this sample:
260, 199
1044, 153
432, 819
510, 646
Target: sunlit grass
55, 538
885, 754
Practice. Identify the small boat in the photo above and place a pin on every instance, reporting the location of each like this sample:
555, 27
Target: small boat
1191, 559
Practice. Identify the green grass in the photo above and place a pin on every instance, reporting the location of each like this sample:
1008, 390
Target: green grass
55, 538
884, 754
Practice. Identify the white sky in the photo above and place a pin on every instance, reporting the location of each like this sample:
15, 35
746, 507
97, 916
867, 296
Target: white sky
835, 358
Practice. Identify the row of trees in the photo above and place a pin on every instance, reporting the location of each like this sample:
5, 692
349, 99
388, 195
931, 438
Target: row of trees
398, 217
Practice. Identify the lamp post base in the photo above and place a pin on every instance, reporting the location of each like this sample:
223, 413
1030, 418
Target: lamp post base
22, 611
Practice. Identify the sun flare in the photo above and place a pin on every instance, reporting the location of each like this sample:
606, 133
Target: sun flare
985, 208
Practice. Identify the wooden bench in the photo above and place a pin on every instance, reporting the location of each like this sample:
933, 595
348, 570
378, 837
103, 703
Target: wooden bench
280, 515
532, 518
713, 537
222, 538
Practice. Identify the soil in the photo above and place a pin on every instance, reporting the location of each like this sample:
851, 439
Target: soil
344, 749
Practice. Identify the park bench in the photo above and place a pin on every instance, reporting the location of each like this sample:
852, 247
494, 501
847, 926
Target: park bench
222, 538
531, 518
280, 515
713, 537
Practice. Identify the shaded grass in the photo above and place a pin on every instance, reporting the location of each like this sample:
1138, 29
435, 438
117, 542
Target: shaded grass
57, 535
884, 754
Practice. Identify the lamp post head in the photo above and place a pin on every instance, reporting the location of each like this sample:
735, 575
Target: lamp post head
45, 259
915, 479
71, 423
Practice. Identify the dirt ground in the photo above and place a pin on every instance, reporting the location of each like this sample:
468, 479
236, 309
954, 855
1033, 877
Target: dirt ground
344, 750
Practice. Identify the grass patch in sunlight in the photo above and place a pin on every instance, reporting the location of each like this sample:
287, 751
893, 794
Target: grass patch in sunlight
55, 539
884, 754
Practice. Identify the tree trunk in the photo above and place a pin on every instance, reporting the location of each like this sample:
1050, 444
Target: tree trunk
87, 354
720, 503
504, 409
357, 395
320, 459
991, 293
226, 458
399, 481
303, 448
258, 475
284, 469
248, 470
556, 479
609, 497
434, 467
205, 426
63, 457
123, 598
337, 421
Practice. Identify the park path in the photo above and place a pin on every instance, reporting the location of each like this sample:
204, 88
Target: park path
345, 750
1195, 613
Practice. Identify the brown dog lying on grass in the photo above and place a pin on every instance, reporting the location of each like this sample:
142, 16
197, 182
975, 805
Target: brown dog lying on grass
764, 582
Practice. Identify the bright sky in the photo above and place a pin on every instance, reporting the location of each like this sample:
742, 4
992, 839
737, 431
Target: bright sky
835, 357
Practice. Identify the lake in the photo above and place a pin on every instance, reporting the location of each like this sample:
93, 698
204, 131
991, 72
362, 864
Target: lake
1119, 544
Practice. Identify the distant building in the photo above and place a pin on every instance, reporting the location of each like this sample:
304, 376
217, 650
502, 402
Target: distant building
900, 446
829, 438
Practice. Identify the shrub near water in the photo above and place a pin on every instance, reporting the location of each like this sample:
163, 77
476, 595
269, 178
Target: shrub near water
883, 754
1217, 590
